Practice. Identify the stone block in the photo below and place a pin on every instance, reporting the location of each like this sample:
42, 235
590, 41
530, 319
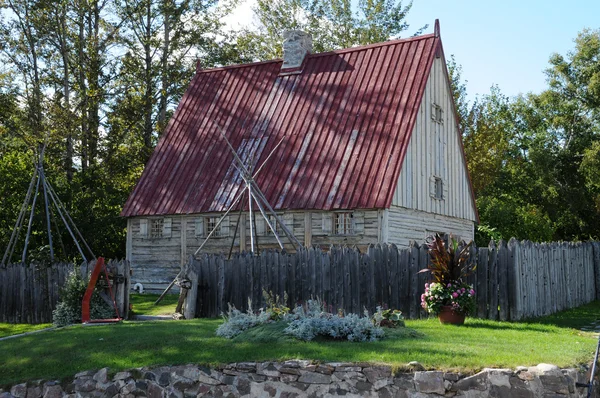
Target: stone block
155, 390
164, 379
84, 384
314, 378
267, 369
430, 382
85, 373
404, 381
101, 376
377, 372
325, 369
190, 372
52, 391
246, 367
122, 376
34, 392
478, 381
205, 379
19, 390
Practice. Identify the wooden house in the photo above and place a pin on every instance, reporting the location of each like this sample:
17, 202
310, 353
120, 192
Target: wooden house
357, 146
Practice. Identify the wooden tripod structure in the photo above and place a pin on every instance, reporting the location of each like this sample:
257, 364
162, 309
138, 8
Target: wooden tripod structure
254, 194
49, 198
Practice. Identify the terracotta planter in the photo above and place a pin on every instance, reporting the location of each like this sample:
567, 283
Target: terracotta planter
448, 315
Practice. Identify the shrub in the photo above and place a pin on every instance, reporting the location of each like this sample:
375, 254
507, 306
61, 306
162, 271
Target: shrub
312, 320
237, 321
388, 318
275, 307
68, 310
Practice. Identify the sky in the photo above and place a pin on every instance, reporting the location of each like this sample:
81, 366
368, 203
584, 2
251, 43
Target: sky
506, 42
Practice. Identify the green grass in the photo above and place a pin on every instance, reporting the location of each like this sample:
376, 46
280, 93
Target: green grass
477, 344
143, 304
9, 329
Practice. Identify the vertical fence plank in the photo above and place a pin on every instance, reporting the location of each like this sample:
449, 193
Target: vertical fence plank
481, 290
503, 256
414, 279
493, 281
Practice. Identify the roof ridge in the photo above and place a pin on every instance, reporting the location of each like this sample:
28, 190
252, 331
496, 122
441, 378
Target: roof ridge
316, 55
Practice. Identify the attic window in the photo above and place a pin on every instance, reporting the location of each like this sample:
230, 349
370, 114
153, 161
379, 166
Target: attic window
344, 224
437, 114
156, 228
437, 188
275, 224
211, 223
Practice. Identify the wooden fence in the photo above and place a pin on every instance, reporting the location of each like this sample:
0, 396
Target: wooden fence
513, 281
30, 292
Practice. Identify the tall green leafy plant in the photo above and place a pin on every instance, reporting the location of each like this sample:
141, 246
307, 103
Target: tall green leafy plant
450, 259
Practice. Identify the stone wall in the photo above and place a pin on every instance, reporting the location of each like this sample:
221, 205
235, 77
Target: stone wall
304, 379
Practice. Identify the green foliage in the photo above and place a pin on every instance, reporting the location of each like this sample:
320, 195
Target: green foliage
333, 24
450, 260
389, 318
68, 310
275, 307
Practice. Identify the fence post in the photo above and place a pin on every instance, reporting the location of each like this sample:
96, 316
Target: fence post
189, 306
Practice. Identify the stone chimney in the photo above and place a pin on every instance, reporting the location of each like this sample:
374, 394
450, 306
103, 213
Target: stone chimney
296, 45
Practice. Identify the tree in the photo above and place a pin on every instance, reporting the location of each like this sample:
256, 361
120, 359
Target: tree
333, 24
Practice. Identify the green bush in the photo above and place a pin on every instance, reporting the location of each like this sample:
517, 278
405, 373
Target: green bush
68, 310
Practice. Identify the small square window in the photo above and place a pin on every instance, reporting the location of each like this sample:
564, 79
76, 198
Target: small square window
156, 228
275, 224
437, 114
344, 224
211, 223
438, 188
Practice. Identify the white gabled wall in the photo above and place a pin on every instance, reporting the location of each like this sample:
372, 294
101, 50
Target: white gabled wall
434, 150
406, 225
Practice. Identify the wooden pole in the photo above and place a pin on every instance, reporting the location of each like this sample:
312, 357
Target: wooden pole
37, 187
19, 224
49, 226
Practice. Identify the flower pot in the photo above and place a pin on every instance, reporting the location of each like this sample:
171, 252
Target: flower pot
448, 315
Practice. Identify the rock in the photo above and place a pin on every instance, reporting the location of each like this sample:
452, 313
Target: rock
34, 392
363, 386
155, 391
325, 369
6, 395
85, 373
288, 378
164, 379
128, 388
430, 382
404, 381
19, 390
545, 368
290, 370
348, 369
101, 376
499, 377
475, 382
243, 386
267, 369
451, 376
86, 384
122, 376
314, 378
189, 372
204, 379
247, 366
375, 373
53, 391
416, 366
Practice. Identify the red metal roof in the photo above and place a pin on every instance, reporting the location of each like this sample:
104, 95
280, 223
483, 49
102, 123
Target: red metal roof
345, 121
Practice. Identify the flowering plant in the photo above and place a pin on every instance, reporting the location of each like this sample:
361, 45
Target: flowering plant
456, 294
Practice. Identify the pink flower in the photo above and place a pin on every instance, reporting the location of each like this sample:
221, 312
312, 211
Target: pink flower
426, 285
422, 297
472, 292
464, 290
449, 285
455, 295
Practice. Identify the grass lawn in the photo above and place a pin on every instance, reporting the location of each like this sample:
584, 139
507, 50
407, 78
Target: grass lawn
9, 329
143, 304
477, 344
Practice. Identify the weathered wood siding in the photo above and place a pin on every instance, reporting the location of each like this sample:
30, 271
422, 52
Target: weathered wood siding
434, 150
156, 261
406, 225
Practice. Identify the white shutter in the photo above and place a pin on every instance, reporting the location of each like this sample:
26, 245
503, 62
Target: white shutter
327, 223
261, 225
167, 227
432, 186
225, 227
143, 227
358, 222
199, 227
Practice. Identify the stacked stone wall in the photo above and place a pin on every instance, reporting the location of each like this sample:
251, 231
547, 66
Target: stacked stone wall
305, 379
